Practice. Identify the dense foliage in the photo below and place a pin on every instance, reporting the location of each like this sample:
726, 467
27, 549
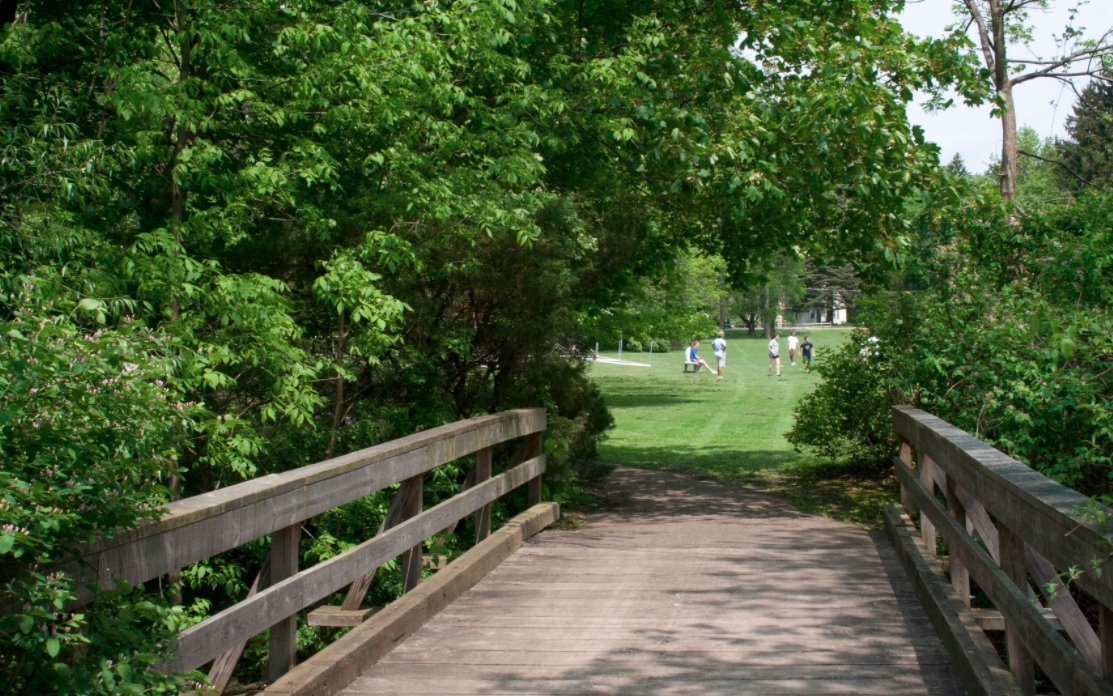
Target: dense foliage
237, 238
847, 416
1086, 156
998, 324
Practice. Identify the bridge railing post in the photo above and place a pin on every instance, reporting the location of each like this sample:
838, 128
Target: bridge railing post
483, 472
411, 560
1105, 629
927, 527
905, 497
1021, 664
960, 576
283, 655
534, 449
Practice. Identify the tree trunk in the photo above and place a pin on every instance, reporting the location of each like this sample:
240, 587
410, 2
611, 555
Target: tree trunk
765, 319
722, 319
176, 205
338, 410
1009, 152
1005, 88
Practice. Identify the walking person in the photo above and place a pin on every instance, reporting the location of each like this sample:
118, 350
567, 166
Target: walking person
719, 345
774, 355
806, 354
792, 343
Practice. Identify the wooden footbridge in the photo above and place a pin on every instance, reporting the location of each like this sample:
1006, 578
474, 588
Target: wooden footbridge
680, 587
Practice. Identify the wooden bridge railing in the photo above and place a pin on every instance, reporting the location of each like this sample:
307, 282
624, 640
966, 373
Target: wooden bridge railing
1028, 526
203, 526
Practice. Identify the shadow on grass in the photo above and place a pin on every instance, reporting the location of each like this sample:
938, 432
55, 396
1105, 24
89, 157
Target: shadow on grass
648, 398
728, 463
851, 492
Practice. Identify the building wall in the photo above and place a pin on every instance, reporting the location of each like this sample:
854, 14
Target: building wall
815, 317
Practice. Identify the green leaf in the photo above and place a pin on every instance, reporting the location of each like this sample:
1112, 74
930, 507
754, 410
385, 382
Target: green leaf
27, 624
91, 305
1066, 347
6, 543
53, 646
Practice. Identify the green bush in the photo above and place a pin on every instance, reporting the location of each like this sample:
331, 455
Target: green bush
848, 415
89, 433
1010, 338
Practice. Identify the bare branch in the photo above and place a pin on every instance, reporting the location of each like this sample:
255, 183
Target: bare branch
983, 32
1067, 169
1103, 47
1050, 72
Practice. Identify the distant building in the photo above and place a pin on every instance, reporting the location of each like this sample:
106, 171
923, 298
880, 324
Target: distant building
813, 316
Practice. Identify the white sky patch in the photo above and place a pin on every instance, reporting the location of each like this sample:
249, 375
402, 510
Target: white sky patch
1042, 104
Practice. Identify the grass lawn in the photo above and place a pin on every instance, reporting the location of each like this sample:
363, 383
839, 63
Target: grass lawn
733, 430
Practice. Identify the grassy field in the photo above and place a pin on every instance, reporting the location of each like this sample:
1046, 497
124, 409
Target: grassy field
732, 430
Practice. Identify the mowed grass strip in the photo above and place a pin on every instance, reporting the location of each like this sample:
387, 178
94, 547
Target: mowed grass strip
733, 430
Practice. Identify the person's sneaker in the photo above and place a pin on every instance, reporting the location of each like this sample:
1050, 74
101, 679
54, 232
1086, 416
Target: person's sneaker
719, 379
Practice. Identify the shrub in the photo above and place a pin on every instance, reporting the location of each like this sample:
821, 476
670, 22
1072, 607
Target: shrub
848, 415
88, 436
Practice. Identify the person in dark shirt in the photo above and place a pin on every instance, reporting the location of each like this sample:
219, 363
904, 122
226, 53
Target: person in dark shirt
806, 354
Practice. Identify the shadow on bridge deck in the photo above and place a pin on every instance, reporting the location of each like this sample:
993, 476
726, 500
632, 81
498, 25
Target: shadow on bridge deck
682, 587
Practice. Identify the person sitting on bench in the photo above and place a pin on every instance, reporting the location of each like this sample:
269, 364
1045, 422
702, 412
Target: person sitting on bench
692, 358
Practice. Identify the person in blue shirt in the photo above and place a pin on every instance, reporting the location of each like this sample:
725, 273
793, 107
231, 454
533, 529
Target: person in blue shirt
806, 352
693, 357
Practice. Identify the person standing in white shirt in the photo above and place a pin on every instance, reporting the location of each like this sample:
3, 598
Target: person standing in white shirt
792, 343
719, 345
774, 355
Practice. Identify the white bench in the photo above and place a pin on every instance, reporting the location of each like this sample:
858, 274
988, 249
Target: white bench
688, 363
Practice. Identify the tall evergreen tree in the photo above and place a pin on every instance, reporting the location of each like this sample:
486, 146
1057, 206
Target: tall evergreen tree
829, 288
1087, 155
957, 166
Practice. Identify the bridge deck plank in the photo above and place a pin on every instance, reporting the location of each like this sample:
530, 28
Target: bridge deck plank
682, 587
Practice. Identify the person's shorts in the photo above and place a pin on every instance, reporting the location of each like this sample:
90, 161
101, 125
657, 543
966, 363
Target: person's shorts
722, 358
774, 356
807, 358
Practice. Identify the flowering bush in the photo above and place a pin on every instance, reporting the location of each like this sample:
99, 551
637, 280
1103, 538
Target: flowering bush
87, 437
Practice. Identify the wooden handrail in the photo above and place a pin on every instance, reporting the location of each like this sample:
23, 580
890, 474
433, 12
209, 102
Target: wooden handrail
201, 643
1031, 525
205, 525
196, 528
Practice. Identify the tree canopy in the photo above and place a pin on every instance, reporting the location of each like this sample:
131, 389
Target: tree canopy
298, 229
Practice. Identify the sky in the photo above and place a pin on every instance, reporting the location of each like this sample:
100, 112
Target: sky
1042, 104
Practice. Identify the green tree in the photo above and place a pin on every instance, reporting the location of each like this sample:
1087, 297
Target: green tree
1000, 26
780, 287
1086, 155
957, 166
829, 288
321, 225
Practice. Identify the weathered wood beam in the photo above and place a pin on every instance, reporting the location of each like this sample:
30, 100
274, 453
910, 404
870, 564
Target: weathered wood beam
481, 473
1058, 658
285, 545
225, 664
411, 559
534, 449
204, 641
1037, 509
1064, 607
203, 526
